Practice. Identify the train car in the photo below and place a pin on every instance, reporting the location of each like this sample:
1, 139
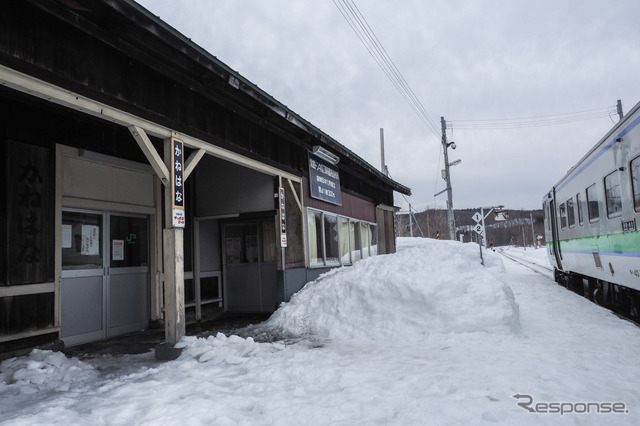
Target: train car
591, 220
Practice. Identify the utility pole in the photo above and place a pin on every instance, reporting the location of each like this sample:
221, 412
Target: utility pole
533, 234
445, 146
382, 165
620, 114
410, 221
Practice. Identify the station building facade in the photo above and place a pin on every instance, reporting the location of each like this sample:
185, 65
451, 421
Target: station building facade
96, 99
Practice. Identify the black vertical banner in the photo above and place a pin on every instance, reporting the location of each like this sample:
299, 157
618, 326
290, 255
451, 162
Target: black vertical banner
29, 214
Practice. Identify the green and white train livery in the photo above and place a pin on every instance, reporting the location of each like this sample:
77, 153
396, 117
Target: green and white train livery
591, 220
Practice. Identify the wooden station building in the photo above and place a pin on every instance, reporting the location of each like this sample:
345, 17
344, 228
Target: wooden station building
145, 182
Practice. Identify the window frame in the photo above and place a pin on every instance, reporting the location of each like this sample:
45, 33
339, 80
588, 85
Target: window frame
593, 205
635, 182
613, 207
579, 209
571, 213
355, 251
562, 212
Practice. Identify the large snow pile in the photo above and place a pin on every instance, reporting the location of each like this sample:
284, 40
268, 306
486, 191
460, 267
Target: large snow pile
426, 287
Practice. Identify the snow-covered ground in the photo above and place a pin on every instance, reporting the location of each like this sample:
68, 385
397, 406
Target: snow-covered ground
423, 336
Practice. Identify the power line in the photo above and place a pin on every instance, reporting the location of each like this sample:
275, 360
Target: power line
537, 121
372, 43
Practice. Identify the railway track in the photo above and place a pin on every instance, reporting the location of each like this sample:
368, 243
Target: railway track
547, 271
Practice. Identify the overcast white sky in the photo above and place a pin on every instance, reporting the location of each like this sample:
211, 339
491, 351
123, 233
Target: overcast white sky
464, 60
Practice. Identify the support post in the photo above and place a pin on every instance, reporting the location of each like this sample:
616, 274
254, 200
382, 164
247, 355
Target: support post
533, 233
410, 221
619, 108
174, 315
382, 165
173, 255
452, 230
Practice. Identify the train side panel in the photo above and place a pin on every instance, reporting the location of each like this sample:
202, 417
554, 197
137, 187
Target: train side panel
593, 229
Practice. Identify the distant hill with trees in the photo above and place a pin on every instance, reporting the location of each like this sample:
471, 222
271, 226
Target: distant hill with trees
513, 231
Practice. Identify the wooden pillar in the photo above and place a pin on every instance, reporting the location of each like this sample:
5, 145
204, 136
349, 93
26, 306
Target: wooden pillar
174, 316
173, 249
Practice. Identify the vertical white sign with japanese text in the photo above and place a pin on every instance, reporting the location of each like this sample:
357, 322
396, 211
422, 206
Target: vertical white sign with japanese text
177, 184
283, 225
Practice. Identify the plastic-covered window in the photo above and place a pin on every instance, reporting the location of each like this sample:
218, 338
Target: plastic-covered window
579, 208
612, 194
571, 215
563, 216
635, 182
592, 203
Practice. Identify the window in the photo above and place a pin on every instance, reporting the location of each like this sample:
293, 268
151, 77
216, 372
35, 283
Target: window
354, 238
592, 203
345, 252
364, 234
612, 194
571, 215
338, 240
331, 245
547, 213
635, 182
563, 216
374, 239
579, 208
316, 251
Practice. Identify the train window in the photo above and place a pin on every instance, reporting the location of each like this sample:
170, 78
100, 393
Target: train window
579, 208
548, 214
635, 182
563, 216
592, 203
571, 215
613, 196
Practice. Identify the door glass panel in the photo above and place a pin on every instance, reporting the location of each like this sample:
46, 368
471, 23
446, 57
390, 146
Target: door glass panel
81, 240
128, 241
241, 244
269, 245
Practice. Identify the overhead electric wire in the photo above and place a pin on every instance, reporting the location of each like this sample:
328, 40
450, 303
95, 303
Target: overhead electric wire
537, 121
368, 38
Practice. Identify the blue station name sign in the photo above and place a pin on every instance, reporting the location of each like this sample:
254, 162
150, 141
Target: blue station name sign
324, 180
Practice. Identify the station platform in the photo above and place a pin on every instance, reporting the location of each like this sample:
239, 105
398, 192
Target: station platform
145, 340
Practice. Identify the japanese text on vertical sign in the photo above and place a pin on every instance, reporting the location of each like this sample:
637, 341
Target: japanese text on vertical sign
30, 205
176, 174
177, 183
283, 225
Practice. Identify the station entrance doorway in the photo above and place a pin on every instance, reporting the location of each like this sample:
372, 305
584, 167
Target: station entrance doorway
105, 275
249, 266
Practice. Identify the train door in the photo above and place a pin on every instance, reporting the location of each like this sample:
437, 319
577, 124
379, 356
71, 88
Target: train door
105, 275
553, 220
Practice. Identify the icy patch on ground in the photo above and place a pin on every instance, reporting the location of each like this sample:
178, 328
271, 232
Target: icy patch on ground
45, 370
220, 349
427, 287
